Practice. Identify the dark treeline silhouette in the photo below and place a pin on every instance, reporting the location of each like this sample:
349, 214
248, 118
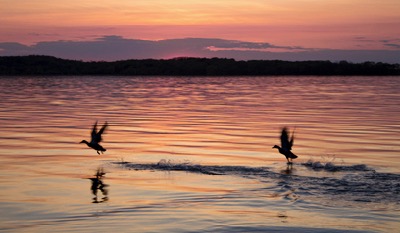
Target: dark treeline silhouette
185, 66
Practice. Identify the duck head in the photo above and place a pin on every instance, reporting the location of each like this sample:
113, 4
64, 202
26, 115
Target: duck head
276, 146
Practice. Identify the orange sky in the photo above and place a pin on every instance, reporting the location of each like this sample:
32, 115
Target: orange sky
341, 24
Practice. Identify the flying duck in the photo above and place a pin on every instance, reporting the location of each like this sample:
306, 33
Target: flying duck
286, 145
96, 138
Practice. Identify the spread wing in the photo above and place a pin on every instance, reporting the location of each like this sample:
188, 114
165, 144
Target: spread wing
94, 131
101, 131
96, 138
291, 140
285, 142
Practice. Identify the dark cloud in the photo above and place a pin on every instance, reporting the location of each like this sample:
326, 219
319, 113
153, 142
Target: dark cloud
393, 43
111, 48
363, 39
390, 44
396, 46
43, 34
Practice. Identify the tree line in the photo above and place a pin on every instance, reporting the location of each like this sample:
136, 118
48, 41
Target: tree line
187, 66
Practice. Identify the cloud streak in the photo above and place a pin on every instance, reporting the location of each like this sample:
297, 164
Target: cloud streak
112, 48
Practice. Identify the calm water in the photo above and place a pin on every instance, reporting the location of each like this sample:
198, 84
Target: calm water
195, 154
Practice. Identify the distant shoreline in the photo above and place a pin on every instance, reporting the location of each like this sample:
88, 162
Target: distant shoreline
188, 66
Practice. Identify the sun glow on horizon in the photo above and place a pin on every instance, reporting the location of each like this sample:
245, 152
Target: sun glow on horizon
339, 24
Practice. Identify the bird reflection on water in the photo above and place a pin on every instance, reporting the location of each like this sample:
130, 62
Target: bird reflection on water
288, 170
98, 184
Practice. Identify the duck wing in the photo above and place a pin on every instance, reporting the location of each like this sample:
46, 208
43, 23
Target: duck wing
285, 143
95, 137
292, 139
103, 128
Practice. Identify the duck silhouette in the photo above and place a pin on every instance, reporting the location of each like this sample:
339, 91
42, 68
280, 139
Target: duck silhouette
286, 145
96, 138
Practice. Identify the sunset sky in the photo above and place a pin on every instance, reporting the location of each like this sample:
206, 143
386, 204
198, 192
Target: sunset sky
264, 27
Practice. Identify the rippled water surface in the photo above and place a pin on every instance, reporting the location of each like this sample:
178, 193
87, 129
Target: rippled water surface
195, 154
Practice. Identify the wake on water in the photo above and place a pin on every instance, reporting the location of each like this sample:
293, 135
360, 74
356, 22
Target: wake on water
331, 167
353, 184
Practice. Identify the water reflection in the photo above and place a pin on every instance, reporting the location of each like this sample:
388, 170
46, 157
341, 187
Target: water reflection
99, 185
288, 170
220, 126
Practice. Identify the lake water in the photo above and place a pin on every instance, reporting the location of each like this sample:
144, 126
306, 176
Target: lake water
194, 154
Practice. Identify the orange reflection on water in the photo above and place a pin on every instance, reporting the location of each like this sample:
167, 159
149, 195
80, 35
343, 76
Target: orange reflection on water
222, 121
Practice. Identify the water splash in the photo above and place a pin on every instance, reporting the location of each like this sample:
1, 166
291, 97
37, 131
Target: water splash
331, 167
187, 166
354, 184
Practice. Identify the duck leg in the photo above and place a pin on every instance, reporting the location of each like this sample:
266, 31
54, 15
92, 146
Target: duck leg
289, 161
